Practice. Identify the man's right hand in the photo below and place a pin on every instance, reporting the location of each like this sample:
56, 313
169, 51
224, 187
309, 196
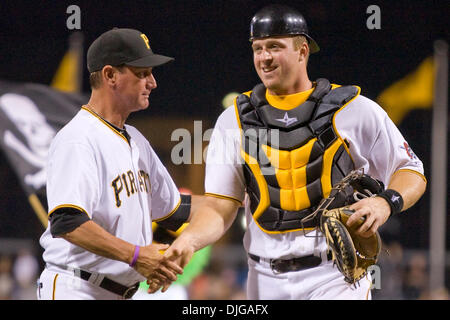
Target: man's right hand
209, 219
180, 253
152, 264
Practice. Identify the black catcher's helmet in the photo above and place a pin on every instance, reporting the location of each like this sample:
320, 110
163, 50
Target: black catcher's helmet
280, 20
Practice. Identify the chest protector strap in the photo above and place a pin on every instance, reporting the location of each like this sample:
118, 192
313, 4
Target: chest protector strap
292, 158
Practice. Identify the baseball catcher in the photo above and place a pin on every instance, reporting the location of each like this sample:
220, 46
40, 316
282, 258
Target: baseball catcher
299, 138
352, 253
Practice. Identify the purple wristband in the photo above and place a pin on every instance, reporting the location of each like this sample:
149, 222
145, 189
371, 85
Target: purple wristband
135, 257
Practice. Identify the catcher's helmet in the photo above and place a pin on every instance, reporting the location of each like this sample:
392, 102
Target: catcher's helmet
280, 20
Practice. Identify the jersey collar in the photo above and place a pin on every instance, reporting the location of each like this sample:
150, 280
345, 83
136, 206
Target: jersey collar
120, 132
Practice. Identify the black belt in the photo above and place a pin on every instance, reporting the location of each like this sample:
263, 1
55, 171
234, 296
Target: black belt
110, 285
295, 264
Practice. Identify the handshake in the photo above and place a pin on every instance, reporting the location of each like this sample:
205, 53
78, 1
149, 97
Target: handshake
161, 263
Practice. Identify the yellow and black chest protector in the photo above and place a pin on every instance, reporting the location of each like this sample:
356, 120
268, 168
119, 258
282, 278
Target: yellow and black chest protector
292, 157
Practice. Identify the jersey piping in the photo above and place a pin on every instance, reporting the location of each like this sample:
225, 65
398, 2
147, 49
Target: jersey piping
221, 196
412, 171
68, 206
170, 213
54, 286
107, 124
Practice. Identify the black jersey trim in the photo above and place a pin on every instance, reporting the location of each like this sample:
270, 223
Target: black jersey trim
175, 219
65, 219
68, 206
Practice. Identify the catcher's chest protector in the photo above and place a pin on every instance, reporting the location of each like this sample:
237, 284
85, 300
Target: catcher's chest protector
292, 158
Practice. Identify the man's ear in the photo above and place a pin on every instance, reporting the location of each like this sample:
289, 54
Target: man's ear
109, 75
303, 52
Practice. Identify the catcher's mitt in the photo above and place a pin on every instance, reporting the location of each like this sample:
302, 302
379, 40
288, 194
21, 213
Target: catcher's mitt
352, 254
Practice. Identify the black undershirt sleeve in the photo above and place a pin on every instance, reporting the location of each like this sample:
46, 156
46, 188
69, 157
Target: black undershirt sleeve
180, 216
64, 220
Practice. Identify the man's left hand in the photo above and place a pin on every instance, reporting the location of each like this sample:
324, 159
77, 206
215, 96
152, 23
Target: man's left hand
375, 210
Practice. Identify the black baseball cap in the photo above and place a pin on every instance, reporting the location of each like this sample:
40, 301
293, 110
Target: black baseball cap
123, 46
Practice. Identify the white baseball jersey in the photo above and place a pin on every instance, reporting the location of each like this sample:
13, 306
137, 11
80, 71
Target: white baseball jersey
376, 145
121, 185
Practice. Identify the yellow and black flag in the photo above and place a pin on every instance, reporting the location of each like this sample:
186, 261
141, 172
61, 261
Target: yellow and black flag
68, 77
414, 91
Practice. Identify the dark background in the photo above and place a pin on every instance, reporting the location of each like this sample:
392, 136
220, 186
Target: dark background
209, 40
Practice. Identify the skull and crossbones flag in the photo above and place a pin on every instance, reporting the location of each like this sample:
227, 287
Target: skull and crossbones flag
30, 116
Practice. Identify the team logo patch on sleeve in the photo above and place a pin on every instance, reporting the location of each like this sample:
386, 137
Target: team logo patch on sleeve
409, 151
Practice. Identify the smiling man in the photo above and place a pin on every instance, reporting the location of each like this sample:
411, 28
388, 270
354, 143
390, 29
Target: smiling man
324, 132
276, 61
106, 185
